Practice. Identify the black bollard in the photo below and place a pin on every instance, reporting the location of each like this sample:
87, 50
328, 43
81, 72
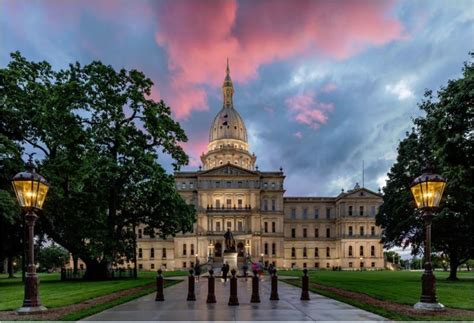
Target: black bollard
233, 300
274, 293
255, 295
305, 286
191, 295
159, 287
211, 296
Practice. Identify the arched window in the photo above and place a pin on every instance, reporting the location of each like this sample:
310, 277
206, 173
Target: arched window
265, 248
361, 251
350, 251
274, 249
152, 253
328, 252
372, 251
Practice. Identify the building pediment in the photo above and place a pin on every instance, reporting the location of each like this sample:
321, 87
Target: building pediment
228, 169
359, 193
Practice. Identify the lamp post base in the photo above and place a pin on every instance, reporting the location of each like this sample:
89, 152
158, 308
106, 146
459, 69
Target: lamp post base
31, 310
434, 307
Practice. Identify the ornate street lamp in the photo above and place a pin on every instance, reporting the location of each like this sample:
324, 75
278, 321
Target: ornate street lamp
30, 189
427, 190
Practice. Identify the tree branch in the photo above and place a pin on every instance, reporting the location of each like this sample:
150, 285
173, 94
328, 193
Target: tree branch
36, 146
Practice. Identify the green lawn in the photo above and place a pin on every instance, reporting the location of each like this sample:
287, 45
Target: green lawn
55, 293
398, 286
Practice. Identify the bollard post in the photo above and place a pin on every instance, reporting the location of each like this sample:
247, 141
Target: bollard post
274, 293
305, 286
191, 295
211, 296
159, 287
233, 300
255, 295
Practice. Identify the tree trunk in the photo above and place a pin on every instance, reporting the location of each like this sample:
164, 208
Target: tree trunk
453, 266
135, 270
75, 259
96, 270
10, 267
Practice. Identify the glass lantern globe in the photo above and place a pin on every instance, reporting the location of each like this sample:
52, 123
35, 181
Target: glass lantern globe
428, 189
30, 189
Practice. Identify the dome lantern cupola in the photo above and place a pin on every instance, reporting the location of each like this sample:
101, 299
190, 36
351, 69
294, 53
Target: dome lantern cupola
227, 89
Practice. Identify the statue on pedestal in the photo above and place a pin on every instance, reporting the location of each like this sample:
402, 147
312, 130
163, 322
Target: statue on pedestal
229, 241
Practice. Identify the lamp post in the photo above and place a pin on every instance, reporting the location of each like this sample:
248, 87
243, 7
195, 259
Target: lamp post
30, 189
261, 255
427, 190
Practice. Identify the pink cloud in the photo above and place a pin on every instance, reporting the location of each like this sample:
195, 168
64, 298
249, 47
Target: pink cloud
196, 145
306, 110
298, 134
199, 35
329, 87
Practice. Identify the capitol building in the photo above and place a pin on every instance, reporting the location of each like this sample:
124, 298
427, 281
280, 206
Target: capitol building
230, 192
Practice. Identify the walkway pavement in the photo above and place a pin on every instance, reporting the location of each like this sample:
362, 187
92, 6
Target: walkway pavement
288, 308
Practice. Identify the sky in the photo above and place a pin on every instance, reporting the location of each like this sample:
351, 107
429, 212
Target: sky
321, 85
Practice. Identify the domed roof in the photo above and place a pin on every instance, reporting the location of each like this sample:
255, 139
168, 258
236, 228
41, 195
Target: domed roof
228, 124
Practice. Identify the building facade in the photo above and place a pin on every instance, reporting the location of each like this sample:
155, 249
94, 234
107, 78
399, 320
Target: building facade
230, 192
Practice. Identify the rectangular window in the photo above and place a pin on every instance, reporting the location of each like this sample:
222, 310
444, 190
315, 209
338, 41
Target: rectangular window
316, 233
273, 226
184, 249
305, 233
350, 265
140, 266
265, 185
265, 227
361, 211
372, 231
265, 247
229, 203
152, 253
361, 264
372, 210
350, 209
218, 184
192, 249
316, 265
218, 203
316, 213
273, 249
229, 225
328, 233
293, 213
273, 205
305, 253
229, 184
191, 264
240, 226
350, 231
328, 213
184, 264
140, 253
239, 203
163, 251
328, 252
152, 266
361, 231
316, 252
218, 226
239, 184
304, 265
293, 232
293, 253
265, 205
372, 251
191, 185
305, 213
183, 185
372, 264
139, 233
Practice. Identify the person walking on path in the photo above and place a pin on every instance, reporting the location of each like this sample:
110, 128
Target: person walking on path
197, 269
225, 271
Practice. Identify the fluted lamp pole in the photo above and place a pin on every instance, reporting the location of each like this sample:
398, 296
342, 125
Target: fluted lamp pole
30, 189
427, 190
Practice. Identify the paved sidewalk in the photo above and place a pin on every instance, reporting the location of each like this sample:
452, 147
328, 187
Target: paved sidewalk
288, 308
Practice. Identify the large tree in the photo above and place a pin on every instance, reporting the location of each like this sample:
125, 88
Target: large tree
100, 134
443, 137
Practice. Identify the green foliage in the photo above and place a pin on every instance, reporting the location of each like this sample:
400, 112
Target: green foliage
99, 135
443, 137
52, 257
392, 256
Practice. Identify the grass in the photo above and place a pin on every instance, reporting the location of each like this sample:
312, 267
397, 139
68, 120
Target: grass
403, 287
57, 293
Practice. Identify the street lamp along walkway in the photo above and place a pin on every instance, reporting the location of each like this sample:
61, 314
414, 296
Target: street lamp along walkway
30, 189
427, 190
